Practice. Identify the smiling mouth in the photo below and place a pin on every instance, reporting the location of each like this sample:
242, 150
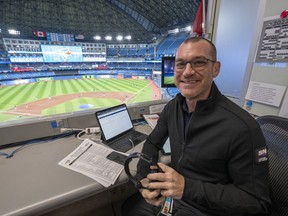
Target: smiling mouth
189, 82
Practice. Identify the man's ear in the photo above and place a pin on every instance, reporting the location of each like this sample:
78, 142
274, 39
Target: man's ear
216, 68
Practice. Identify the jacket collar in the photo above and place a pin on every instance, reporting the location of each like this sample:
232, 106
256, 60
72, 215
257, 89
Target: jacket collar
207, 104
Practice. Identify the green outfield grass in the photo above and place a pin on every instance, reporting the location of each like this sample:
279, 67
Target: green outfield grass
15, 96
74, 105
169, 79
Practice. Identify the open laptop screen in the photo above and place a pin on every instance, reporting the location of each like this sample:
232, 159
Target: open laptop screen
114, 121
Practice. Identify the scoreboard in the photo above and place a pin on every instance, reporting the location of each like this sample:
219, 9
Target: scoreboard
60, 37
54, 53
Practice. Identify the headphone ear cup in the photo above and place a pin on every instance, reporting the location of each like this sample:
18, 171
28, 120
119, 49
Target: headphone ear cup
134, 181
127, 170
142, 156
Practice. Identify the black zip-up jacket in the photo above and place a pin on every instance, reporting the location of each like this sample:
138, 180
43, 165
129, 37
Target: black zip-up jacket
220, 155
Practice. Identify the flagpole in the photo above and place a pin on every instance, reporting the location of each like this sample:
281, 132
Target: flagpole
204, 18
199, 23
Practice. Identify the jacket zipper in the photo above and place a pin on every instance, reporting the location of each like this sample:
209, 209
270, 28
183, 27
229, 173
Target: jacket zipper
183, 144
183, 147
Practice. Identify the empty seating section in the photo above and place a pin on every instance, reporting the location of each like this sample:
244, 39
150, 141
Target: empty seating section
129, 57
119, 71
175, 44
134, 65
4, 67
164, 45
150, 52
132, 53
169, 45
141, 51
112, 52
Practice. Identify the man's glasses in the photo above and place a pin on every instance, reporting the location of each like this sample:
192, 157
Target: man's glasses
196, 64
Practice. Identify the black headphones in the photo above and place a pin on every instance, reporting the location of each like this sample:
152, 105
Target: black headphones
144, 157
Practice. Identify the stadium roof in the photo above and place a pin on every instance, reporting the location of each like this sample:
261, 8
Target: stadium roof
142, 19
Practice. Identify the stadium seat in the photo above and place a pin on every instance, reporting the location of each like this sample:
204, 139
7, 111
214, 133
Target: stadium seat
275, 130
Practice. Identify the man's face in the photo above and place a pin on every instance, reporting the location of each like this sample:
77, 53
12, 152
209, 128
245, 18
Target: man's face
195, 83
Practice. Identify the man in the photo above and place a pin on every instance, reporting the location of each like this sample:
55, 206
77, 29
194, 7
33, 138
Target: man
218, 154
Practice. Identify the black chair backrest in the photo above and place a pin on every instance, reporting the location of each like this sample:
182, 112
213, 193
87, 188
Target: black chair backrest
275, 130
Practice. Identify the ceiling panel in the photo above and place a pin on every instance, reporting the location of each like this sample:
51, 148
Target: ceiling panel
142, 19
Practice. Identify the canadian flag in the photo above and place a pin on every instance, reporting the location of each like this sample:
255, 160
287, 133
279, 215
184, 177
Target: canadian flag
39, 34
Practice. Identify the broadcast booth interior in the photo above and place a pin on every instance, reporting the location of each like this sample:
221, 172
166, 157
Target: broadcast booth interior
56, 74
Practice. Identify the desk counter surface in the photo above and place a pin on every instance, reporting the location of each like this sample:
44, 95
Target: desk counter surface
33, 183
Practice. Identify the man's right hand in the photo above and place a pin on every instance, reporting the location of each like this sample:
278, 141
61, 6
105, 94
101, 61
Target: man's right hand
152, 197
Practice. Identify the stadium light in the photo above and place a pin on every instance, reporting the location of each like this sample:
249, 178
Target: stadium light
188, 28
97, 37
128, 37
119, 38
173, 31
13, 32
108, 37
185, 29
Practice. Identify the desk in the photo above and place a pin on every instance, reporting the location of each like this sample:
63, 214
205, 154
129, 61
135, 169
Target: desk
32, 182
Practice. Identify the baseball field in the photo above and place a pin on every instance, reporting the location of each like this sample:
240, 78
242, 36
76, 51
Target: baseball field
169, 79
67, 96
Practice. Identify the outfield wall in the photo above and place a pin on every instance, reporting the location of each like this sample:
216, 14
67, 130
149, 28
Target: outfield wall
68, 77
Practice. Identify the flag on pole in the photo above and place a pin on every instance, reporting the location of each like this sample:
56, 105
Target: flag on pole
198, 21
39, 34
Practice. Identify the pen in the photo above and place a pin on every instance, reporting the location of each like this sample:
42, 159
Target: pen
80, 155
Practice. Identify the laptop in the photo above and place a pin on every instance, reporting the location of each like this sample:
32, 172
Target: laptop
117, 130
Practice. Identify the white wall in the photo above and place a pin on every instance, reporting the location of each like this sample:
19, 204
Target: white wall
275, 73
236, 26
237, 30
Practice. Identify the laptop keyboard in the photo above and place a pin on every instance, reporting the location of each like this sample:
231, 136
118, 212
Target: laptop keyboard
123, 144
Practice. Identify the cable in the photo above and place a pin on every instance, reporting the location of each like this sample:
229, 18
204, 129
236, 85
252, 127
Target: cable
80, 134
4, 154
133, 146
91, 130
65, 132
35, 141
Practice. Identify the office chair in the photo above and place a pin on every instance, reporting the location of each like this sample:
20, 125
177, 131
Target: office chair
275, 130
